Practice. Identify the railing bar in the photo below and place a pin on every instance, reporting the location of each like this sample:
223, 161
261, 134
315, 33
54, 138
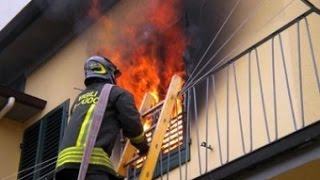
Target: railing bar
207, 124
287, 82
169, 153
217, 118
179, 146
154, 108
312, 53
225, 63
311, 6
250, 100
128, 172
161, 167
227, 129
134, 173
196, 126
274, 91
239, 109
230, 37
187, 132
262, 96
300, 74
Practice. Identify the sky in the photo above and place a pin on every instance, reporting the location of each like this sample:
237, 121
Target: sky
10, 8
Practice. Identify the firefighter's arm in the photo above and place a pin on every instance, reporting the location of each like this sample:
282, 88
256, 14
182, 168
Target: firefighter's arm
131, 125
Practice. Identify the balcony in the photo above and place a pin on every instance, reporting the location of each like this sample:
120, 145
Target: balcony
251, 113
256, 107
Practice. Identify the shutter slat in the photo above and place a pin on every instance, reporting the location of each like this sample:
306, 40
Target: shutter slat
48, 145
51, 140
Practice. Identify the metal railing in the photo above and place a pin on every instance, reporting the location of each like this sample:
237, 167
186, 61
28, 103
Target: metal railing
221, 106
250, 100
272, 97
258, 94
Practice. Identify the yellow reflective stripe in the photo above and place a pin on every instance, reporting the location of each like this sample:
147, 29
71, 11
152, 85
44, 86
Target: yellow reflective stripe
74, 155
96, 151
138, 139
85, 125
78, 159
81, 149
81, 153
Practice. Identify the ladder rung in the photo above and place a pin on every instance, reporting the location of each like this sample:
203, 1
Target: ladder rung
152, 109
135, 158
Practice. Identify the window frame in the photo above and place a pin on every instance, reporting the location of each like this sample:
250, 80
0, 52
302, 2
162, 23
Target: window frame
173, 155
41, 131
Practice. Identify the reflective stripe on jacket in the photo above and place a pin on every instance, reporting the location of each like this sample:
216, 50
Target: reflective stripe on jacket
121, 113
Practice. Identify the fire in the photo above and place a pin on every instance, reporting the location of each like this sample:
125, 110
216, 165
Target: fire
146, 43
147, 124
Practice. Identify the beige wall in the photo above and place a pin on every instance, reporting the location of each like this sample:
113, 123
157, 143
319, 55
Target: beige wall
10, 139
258, 26
56, 80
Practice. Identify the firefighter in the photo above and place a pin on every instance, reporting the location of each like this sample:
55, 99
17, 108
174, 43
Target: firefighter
121, 113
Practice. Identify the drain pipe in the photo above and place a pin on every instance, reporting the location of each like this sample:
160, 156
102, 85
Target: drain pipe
7, 107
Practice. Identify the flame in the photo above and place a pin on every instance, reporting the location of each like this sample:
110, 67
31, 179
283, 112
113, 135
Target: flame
147, 123
146, 44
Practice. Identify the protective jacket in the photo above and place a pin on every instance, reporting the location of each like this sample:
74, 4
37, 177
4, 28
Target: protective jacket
121, 113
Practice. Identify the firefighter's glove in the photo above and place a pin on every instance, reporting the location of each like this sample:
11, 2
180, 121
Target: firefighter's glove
143, 148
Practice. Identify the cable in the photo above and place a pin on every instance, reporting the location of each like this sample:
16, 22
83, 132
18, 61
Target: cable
227, 57
37, 170
29, 168
215, 37
226, 42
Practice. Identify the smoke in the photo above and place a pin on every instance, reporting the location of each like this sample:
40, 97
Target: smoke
76, 12
63, 9
145, 39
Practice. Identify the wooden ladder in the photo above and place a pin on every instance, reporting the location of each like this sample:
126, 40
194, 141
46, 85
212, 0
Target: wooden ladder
158, 135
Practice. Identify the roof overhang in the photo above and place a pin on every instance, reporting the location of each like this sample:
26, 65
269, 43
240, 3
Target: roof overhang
39, 31
25, 106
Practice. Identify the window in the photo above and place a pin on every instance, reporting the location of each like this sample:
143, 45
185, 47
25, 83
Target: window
40, 145
175, 150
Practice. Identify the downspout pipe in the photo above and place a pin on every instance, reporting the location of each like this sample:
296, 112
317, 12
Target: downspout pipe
7, 107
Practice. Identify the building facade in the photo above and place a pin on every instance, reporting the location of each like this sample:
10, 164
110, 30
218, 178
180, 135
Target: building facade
251, 96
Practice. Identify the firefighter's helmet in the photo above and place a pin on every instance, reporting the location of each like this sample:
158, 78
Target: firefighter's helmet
100, 67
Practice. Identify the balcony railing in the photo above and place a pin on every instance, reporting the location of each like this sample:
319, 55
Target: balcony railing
243, 103
264, 93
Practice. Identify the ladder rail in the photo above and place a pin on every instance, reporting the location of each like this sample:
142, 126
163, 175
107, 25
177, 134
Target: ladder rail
129, 150
161, 128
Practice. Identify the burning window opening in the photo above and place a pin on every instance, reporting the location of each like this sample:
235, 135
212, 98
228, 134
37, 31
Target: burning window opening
174, 137
148, 50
